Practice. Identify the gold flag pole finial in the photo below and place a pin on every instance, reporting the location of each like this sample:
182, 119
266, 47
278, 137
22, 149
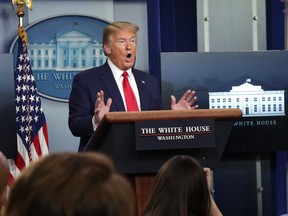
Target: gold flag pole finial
20, 10
20, 14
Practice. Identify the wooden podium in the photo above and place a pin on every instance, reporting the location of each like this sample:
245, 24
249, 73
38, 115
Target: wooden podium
116, 136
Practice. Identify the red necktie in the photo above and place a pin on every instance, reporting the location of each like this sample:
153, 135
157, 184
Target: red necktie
131, 102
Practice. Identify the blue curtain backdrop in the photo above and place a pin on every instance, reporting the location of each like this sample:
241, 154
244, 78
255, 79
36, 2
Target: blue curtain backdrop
275, 41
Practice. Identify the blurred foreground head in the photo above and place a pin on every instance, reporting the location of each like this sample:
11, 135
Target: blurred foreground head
4, 175
180, 189
71, 184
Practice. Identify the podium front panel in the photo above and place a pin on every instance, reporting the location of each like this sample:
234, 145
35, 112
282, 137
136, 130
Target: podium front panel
119, 143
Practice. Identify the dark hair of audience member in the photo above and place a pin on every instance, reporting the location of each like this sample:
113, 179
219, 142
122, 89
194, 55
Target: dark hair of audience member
71, 184
180, 189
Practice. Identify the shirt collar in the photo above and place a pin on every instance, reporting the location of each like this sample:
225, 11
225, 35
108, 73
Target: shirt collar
116, 71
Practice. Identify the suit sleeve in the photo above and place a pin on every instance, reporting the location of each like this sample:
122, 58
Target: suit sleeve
81, 108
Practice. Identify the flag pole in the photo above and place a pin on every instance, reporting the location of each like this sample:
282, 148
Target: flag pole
20, 9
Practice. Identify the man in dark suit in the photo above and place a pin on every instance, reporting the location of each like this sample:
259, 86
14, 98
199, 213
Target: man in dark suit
99, 90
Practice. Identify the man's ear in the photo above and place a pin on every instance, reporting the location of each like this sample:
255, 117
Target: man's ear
107, 49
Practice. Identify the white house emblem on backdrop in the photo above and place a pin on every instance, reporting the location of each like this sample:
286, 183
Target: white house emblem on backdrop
251, 99
59, 48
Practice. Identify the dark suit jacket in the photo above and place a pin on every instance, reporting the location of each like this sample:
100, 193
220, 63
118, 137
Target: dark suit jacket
85, 86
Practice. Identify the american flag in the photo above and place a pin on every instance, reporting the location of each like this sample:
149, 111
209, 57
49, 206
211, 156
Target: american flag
32, 135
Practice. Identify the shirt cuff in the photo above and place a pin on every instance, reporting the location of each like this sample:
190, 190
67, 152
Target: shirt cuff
93, 124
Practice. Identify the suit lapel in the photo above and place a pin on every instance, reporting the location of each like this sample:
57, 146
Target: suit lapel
141, 84
112, 89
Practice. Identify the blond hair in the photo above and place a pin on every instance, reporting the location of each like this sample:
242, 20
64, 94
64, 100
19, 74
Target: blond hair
113, 27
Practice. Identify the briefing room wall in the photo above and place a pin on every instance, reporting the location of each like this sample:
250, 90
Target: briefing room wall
180, 17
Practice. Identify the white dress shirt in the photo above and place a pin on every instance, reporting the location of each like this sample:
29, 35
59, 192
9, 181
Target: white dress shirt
117, 73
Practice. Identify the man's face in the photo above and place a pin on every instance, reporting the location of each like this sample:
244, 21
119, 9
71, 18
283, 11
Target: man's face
122, 49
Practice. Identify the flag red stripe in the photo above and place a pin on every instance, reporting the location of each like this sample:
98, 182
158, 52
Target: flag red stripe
37, 146
19, 161
45, 132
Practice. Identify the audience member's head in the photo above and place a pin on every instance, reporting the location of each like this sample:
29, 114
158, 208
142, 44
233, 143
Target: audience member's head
180, 189
71, 184
4, 174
